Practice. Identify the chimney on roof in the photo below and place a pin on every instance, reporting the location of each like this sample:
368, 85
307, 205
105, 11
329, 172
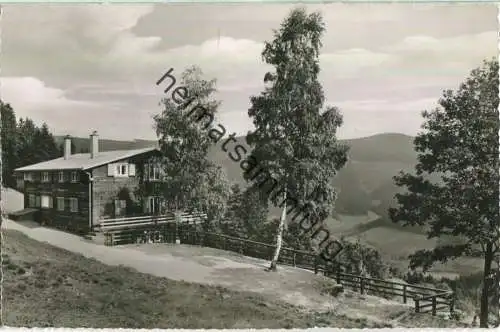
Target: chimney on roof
67, 146
94, 144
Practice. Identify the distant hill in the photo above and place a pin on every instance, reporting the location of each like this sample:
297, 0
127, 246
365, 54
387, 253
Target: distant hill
364, 184
82, 144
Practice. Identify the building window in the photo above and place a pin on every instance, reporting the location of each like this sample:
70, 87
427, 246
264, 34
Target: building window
46, 201
74, 176
73, 204
31, 200
28, 176
45, 176
61, 176
152, 172
121, 169
120, 207
60, 203
153, 205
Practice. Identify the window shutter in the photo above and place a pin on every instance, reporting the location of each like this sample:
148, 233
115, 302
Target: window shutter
111, 169
145, 205
51, 202
131, 169
146, 171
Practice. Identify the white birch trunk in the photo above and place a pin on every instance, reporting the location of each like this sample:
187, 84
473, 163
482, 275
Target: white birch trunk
279, 236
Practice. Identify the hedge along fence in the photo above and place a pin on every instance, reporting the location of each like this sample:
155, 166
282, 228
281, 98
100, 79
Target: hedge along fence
425, 299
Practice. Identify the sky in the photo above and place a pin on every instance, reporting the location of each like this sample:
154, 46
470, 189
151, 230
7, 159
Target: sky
81, 68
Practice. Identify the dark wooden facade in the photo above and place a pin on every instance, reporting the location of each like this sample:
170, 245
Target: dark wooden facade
98, 194
108, 191
55, 214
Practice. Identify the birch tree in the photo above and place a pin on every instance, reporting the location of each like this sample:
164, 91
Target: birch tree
295, 137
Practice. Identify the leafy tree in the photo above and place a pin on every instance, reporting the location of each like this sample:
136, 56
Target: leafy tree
247, 213
9, 144
253, 213
295, 239
35, 144
23, 143
232, 224
294, 140
460, 144
360, 259
46, 146
211, 194
234, 204
192, 181
26, 137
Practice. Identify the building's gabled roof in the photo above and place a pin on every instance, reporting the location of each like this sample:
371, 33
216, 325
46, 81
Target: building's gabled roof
83, 161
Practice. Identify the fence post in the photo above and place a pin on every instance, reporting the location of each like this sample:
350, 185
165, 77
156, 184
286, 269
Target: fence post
294, 259
433, 306
404, 294
417, 306
338, 277
362, 285
315, 265
177, 222
452, 304
242, 243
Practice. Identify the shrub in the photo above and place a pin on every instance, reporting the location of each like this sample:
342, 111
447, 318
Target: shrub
360, 259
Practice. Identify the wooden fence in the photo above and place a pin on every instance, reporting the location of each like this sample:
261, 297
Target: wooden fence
425, 299
288, 256
154, 228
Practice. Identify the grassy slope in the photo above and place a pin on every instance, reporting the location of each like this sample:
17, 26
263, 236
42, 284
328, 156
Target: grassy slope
47, 286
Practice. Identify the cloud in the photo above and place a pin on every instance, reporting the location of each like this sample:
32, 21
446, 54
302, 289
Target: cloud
133, 52
454, 56
31, 97
383, 115
351, 62
397, 58
471, 44
72, 39
389, 105
30, 93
